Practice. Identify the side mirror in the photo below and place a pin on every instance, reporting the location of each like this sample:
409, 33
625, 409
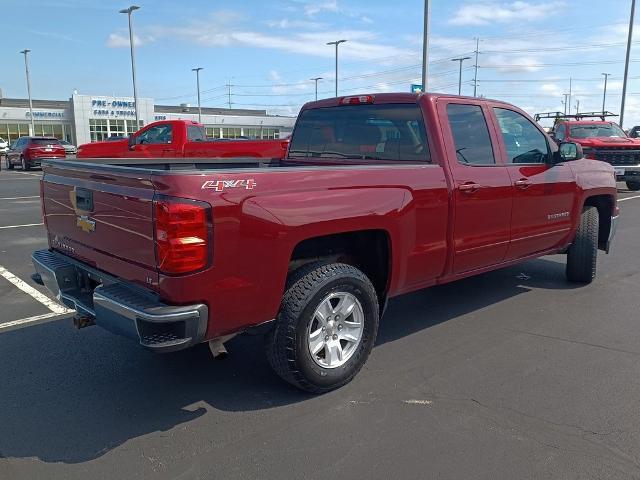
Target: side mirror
132, 142
568, 151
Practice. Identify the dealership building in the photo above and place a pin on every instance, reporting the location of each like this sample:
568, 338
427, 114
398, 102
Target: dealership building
91, 118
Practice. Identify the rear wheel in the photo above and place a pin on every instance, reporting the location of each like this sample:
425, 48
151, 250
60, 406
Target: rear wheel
326, 327
583, 252
633, 185
8, 163
25, 164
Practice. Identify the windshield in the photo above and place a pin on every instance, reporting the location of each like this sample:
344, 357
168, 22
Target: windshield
393, 132
597, 130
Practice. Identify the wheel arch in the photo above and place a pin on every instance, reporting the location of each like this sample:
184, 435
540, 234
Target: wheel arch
369, 250
605, 204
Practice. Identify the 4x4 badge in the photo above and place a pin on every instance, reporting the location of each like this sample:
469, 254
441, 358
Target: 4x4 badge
220, 185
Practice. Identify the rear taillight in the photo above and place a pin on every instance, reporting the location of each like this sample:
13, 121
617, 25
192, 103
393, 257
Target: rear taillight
182, 235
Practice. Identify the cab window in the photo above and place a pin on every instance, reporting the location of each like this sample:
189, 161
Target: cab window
560, 136
195, 134
470, 134
157, 134
523, 141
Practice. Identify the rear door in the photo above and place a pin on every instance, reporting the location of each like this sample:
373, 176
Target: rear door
158, 140
543, 194
481, 186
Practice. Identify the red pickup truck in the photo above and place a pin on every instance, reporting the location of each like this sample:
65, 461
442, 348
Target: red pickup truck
606, 141
180, 138
379, 195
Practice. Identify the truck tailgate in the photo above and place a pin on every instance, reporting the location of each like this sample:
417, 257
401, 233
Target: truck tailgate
104, 219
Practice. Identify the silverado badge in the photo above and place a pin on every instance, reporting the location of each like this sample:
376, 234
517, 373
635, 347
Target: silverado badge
85, 223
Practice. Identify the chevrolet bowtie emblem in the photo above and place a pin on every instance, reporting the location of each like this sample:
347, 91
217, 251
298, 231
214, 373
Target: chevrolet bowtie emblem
85, 223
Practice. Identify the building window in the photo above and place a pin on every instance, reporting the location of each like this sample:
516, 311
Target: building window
131, 126
117, 128
271, 133
212, 132
12, 131
231, 132
252, 132
98, 130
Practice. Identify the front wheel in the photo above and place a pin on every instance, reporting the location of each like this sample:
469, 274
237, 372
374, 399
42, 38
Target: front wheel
326, 327
633, 185
583, 252
8, 162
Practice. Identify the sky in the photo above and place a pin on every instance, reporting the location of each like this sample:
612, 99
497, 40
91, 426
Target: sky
268, 50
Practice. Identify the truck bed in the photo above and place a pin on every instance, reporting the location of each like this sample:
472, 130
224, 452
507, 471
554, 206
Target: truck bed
168, 164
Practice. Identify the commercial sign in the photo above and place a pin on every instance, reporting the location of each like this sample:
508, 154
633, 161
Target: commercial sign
416, 88
45, 115
113, 107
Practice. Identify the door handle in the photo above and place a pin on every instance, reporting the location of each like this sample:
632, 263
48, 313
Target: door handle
167, 149
469, 187
522, 183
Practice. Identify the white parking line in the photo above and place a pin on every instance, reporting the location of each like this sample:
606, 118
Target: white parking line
27, 173
628, 198
52, 305
25, 225
19, 198
29, 321
13, 179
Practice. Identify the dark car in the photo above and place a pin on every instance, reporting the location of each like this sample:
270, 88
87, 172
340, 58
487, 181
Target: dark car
29, 151
635, 132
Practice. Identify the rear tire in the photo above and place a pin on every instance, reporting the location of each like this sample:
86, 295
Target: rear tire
583, 252
25, 165
633, 185
8, 162
339, 304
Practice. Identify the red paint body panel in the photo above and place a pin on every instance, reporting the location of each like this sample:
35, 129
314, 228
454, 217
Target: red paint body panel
180, 146
436, 232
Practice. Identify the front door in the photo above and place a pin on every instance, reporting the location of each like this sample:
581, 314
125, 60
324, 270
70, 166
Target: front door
156, 141
543, 193
481, 189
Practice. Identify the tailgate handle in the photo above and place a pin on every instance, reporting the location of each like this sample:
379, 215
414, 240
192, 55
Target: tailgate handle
84, 199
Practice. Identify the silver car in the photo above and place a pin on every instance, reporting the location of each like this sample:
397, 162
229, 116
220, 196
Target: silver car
69, 148
4, 146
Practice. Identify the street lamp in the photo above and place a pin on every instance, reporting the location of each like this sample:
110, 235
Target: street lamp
604, 95
425, 45
336, 43
197, 70
461, 59
626, 61
128, 11
26, 69
316, 80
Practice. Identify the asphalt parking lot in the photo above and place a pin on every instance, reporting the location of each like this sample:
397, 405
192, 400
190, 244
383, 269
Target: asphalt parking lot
512, 374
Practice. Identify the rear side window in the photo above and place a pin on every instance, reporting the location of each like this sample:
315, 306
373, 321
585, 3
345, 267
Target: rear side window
389, 132
470, 134
45, 141
195, 133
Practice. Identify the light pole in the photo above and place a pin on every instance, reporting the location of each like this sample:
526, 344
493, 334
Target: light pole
128, 11
475, 75
197, 70
626, 61
604, 95
336, 43
461, 59
26, 69
425, 45
315, 79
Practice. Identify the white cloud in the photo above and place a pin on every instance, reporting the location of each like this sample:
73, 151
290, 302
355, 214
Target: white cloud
313, 8
117, 40
485, 13
285, 23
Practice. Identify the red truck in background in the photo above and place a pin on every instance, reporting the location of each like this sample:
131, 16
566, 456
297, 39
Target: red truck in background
180, 138
379, 195
601, 140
